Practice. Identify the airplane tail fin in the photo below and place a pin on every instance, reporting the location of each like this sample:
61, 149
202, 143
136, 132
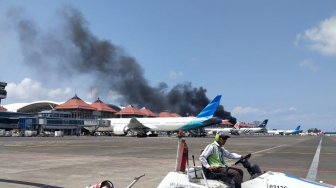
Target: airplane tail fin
263, 124
236, 126
297, 128
211, 108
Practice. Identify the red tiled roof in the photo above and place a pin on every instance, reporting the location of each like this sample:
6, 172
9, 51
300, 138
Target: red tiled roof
3, 109
175, 115
130, 110
247, 125
164, 114
147, 112
74, 103
226, 122
102, 107
168, 114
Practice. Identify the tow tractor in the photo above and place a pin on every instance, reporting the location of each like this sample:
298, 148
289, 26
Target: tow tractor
194, 176
185, 176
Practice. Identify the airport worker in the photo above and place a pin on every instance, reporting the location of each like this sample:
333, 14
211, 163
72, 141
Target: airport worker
212, 159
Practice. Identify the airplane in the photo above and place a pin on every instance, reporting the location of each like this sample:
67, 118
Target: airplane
260, 129
285, 132
143, 126
213, 131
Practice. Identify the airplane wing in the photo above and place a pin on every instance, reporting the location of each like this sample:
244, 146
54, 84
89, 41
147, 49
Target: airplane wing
136, 126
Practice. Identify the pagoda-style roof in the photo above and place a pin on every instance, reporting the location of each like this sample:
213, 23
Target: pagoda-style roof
147, 112
168, 114
130, 110
74, 103
102, 107
226, 122
246, 125
175, 114
3, 109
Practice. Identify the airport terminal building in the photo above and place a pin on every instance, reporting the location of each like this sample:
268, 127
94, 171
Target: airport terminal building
71, 117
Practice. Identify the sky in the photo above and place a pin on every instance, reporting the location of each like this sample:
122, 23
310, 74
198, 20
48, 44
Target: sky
271, 60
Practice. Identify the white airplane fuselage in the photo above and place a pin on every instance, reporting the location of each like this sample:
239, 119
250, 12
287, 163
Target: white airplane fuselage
155, 124
282, 132
121, 126
285, 132
211, 131
250, 130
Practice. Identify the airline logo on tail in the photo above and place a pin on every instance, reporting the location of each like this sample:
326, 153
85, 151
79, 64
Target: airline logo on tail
205, 117
296, 130
210, 109
263, 124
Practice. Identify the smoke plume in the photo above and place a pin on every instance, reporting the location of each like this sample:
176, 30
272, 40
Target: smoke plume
72, 50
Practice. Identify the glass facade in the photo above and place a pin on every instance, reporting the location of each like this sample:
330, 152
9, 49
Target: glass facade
27, 123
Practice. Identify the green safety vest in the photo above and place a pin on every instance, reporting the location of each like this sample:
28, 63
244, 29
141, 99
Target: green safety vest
216, 158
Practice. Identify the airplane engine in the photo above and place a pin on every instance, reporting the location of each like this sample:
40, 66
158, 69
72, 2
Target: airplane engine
120, 130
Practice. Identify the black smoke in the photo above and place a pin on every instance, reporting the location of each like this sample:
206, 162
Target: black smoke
71, 50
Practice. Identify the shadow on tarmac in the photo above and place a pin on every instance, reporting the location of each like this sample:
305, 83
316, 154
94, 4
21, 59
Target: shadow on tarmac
28, 183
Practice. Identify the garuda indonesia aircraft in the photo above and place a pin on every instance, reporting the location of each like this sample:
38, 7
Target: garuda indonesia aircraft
141, 126
286, 132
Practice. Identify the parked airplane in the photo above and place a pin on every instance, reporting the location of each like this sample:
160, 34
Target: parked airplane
242, 130
141, 126
285, 132
213, 131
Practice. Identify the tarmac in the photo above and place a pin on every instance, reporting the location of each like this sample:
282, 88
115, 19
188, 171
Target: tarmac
81, 161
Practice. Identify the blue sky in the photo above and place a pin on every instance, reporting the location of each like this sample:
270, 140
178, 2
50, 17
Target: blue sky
268, 59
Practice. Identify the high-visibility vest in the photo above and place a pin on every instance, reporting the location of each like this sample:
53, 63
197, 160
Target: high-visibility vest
216, 158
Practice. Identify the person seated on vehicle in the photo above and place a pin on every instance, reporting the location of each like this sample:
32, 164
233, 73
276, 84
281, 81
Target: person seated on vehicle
212, 159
